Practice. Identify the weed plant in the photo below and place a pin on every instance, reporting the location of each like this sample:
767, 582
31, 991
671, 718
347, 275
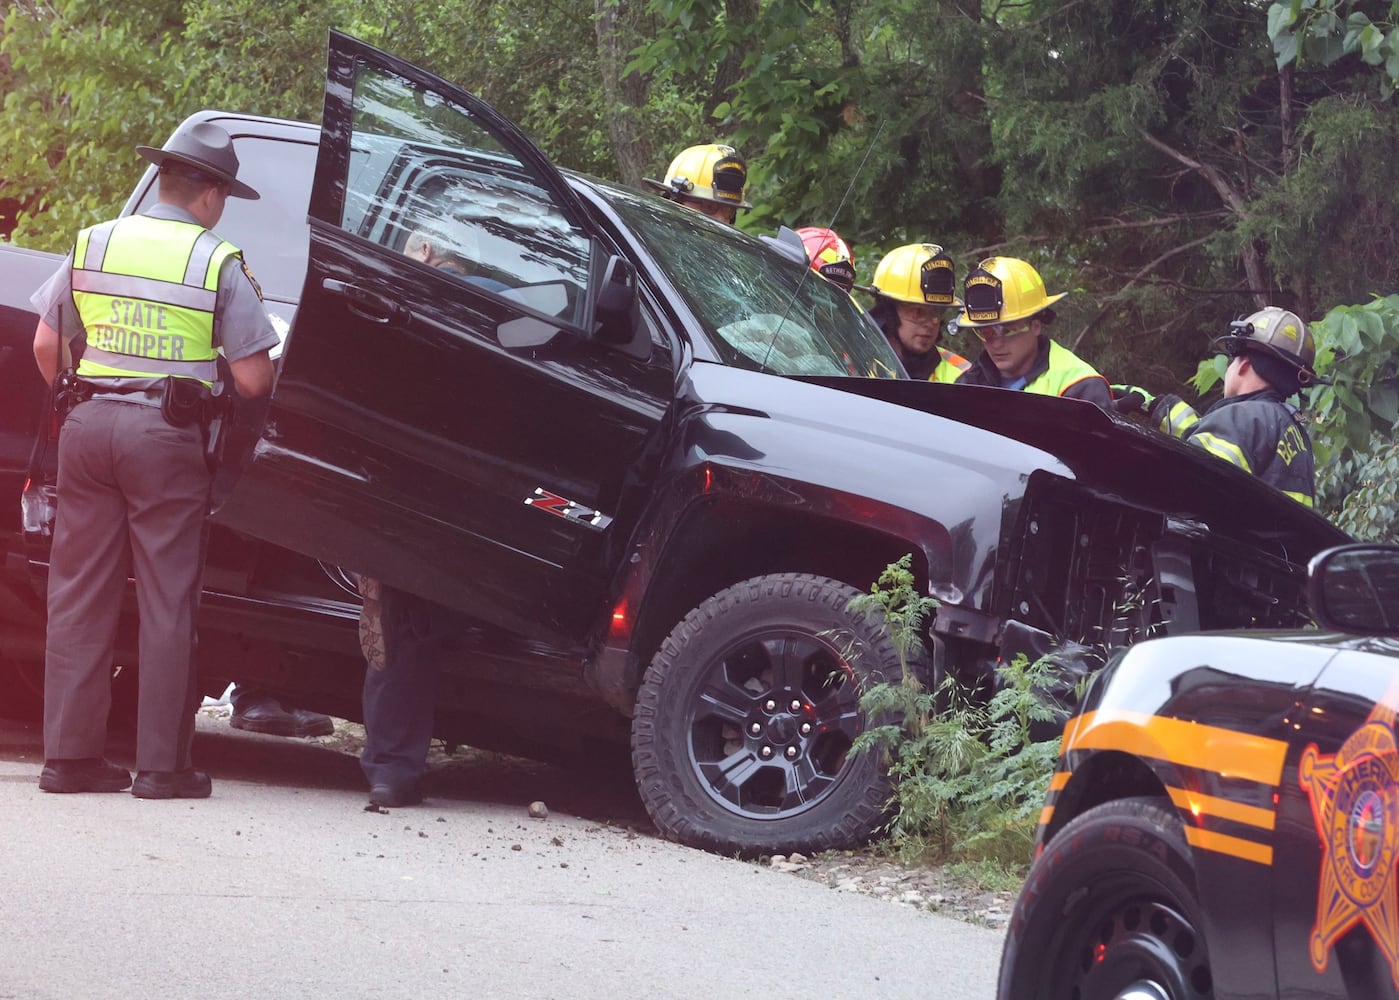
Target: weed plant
970, 777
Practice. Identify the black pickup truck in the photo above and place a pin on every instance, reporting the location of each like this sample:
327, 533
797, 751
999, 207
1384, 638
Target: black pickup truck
644, 455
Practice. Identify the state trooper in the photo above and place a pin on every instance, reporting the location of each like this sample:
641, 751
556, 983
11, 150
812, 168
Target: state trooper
158, 296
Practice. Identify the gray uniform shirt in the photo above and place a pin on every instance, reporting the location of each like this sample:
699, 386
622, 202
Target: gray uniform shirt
241, 324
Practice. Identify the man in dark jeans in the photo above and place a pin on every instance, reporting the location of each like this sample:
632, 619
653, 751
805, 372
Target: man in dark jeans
400, 634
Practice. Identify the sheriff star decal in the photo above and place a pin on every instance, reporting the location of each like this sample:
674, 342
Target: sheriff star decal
1354, 796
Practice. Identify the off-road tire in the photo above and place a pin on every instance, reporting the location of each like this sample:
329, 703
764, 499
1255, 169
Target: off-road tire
739, 677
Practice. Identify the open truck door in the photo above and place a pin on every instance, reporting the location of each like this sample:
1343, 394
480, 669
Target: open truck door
465, 387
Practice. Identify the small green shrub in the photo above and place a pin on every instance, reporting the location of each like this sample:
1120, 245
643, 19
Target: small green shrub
970, 777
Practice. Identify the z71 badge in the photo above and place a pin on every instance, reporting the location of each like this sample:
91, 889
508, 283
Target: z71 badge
567, 509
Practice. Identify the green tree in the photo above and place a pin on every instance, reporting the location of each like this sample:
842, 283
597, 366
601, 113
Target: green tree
1357, 414
1174, 164
85, 82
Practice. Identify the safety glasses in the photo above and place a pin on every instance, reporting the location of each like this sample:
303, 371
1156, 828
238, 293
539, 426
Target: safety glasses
1003, 331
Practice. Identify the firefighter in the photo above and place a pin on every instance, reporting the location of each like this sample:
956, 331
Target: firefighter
1254, 427
158, 296
914, 286
1008, 310
712, 179
829, 255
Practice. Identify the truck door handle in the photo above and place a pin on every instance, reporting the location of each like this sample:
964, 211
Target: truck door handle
364, 303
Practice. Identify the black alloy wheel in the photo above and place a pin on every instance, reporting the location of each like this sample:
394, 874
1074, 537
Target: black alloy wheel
746, 717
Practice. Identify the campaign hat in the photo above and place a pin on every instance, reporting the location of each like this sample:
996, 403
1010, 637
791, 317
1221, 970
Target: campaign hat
207, 148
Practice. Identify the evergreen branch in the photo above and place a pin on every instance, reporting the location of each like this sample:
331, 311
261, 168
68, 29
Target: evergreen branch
1103, 227
1141, 273
1252, 259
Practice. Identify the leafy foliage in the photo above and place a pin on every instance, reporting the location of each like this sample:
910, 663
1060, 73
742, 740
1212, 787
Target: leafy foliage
1356, 417
85, 82
970, 774
1326, 31
1174, 165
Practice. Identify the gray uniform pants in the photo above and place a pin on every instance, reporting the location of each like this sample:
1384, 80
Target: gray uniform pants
133, 493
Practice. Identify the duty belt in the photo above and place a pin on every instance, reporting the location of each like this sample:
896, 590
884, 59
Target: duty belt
96, 391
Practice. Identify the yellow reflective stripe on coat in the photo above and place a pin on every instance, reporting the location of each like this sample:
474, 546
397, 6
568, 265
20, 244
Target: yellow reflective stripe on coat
1179, 418
1224, 752
146, 290
1066, 369
1221, 448
1302, 498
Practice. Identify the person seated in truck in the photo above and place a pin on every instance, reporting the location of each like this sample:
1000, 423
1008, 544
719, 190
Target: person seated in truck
712, 179
914, 286
430, 245
401, 634
1005, 305
432, 249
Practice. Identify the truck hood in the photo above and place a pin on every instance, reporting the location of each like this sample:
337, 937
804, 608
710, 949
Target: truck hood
1109, 455
940, 484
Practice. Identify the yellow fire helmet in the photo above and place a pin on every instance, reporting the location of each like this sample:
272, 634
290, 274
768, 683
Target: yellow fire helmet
712, 172
917, 272
1003, 290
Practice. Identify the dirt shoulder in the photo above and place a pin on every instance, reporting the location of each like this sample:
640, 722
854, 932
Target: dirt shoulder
606, 795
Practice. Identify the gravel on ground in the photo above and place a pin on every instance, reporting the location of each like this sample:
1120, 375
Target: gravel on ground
610, 800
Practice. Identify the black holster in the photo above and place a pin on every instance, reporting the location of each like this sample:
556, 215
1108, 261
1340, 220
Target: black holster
216, 416
182, 401
68, 392
186, 401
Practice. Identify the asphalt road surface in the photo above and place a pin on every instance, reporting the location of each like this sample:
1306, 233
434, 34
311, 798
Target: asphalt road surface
282, 886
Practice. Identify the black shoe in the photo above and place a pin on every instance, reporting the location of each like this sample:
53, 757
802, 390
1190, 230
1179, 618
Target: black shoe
86, 774
385, 796
186, 784
266, 715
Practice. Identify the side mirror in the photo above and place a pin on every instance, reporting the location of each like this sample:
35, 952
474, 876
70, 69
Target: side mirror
550, 298
615, 318
1355, 588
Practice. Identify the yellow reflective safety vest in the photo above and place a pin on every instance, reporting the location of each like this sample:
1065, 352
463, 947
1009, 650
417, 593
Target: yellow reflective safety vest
950, 367
938, 365
146, 289
1056, 371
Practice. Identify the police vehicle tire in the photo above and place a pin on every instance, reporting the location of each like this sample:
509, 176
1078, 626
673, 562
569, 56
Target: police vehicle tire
1109, 907
745, 717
